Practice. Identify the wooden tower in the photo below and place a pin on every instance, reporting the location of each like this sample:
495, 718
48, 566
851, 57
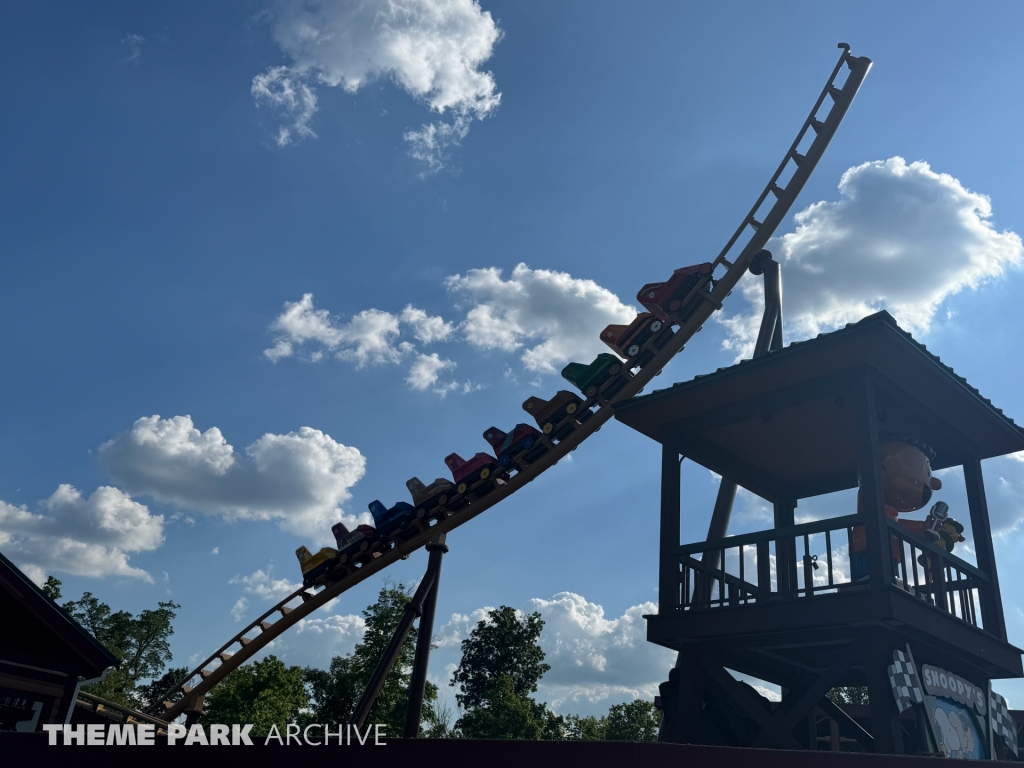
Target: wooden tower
779, 604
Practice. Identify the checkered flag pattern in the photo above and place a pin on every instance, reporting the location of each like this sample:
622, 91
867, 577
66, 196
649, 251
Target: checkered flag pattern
906, 686
1002, 723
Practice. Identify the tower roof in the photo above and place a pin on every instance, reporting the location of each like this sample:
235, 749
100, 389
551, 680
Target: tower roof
780, 426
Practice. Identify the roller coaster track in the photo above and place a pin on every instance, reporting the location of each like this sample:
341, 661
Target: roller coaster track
704, 300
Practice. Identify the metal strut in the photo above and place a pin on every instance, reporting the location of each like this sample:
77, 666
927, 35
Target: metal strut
426, 595
769, 339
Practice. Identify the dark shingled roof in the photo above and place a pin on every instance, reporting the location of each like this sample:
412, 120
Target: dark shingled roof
878, 317
35, 626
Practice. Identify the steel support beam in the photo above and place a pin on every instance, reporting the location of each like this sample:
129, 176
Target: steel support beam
418, 683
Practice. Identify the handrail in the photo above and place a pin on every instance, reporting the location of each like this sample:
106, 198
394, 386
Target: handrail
921, 543
746, 539
95, 702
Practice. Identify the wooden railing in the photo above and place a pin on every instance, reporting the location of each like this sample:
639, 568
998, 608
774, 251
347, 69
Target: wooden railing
936, 576
800, 561
811, 560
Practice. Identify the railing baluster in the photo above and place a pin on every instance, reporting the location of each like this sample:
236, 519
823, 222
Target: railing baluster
764, 572
828, 550
903, 563
743, 594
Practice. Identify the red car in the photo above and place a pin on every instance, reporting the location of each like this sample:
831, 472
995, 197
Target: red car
508, 446
665, 299
628, 340
465, 473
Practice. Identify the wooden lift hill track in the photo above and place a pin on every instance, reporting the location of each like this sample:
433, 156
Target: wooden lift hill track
703, 300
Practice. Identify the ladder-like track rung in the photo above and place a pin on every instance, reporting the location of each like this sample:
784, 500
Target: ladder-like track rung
224, 655
817, 125
285, 610
168, 704
754, 223
778, 191
798, 158
244, 641
187, 689
265, 625
205, 673
834, 92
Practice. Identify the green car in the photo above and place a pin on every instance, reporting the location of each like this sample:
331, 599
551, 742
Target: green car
589, 378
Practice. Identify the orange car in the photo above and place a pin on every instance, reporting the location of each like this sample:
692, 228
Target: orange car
628, 340
549, 414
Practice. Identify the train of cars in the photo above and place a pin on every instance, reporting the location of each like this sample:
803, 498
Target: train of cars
667, 304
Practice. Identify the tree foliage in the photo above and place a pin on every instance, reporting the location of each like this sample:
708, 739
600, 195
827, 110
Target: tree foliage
637, 720
334, 693
505, 644
264, 693
502, 662
849, 694
141, 644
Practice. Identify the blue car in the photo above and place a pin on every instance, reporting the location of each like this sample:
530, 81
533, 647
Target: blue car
388, 521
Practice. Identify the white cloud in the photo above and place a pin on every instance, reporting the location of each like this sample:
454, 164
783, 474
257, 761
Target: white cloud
425, 371
369, 338
365, 339
548, 317
426, 328
432, 49
555, 316
263, 584
901, 238
282, 89
215, 551
134, 43
85, 537
238, 609
299, 479
1004, 481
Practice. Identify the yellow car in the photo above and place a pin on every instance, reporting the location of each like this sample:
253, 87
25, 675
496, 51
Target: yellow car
314, 566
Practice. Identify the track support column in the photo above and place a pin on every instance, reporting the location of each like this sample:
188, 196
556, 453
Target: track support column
413, 609
418, 684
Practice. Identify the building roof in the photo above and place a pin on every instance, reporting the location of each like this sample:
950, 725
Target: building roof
33, 627
781, 418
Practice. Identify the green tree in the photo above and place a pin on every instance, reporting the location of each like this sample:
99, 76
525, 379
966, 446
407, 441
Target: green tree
141, 643
637, 720
849, 694
51, 588
503, 644
502, 662
503, 713
588, 728
153, 694
264, 693
334, 692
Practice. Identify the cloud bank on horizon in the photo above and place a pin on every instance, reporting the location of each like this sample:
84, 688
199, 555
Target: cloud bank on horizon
431, 49
594, 660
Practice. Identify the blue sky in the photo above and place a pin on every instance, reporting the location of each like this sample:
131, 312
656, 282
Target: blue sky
160, 230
